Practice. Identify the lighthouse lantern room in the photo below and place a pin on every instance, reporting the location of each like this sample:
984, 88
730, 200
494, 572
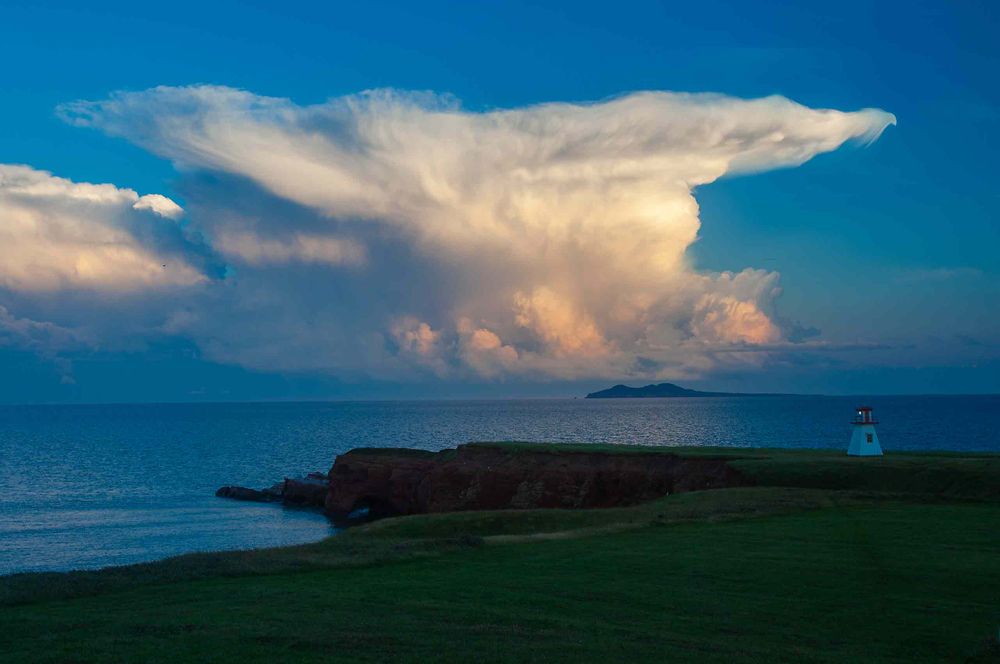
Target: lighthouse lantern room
864, 440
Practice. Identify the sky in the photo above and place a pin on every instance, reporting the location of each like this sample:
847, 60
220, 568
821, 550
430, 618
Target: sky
255, 201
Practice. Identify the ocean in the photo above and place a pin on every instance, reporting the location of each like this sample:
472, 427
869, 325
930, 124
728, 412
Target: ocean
89, 486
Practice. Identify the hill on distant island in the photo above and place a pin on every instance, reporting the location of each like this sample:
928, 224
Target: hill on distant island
663, 390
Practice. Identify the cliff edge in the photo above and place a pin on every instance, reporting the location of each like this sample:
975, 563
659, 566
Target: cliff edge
393, 482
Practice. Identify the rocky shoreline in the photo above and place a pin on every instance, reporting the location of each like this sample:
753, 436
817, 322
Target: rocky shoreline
371, 483
308, 491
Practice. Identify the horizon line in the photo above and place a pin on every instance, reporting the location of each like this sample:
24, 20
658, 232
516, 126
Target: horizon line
222, 402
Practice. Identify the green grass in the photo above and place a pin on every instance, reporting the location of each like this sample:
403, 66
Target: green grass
973, 476
894, 583
875, 560
411, 537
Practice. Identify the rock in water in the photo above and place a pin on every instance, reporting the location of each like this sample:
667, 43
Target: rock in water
253, 495
308, 491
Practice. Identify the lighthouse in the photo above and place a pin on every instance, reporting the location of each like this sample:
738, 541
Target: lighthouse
864, 440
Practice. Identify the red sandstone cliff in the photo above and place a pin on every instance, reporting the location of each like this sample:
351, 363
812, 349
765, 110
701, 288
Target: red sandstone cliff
393, 482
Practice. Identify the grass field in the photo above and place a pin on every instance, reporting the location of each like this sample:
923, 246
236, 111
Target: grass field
898, 562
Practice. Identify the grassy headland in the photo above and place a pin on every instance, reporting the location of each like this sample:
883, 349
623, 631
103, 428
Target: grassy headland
828, 558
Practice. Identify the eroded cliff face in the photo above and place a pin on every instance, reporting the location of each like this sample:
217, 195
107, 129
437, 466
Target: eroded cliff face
479, 477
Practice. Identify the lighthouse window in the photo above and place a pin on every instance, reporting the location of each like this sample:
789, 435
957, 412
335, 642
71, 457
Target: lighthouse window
869, 437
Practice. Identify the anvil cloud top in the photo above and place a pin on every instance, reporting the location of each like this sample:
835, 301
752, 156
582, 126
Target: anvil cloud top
389, 242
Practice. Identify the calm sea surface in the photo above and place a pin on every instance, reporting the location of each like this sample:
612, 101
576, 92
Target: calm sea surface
91, 486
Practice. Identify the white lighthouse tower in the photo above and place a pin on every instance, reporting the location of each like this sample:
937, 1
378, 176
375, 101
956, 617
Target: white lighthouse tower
864, 440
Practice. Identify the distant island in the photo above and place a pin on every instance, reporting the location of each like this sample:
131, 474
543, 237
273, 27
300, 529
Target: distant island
666, 390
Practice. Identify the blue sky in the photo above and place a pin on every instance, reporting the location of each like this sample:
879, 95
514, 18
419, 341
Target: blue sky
892, 248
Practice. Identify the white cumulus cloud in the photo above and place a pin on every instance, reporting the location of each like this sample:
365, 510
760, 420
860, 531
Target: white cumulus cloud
545, 241
159, 204
56, 234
